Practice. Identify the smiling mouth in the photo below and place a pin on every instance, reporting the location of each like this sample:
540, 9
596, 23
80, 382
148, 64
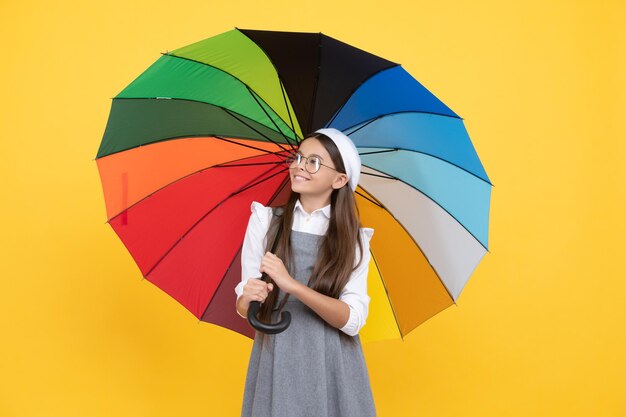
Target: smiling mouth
300, 178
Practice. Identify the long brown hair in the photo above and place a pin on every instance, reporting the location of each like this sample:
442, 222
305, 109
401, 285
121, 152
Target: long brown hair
336, 255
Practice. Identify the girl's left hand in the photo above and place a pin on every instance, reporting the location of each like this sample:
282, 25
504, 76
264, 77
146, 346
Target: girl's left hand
274, 267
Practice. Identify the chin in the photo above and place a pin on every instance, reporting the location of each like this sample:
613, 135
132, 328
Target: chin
299, 187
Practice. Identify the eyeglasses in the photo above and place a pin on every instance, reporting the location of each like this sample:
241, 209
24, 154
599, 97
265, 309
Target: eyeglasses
312, 164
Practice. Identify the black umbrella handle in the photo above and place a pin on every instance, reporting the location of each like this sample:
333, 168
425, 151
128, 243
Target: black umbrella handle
254, 306
274, 328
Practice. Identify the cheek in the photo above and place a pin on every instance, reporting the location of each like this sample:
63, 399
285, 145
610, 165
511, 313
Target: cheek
326, 182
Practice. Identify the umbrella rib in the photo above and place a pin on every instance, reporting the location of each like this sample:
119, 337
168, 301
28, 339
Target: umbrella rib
250, 146
227, 73
244, 165
377, 203
431, 199
317, 78
383, 151
230, 112
381, 116
209, 104
199, 136
280, 188
443, 284
366, 123
282, 90
266, 137
355, 89
427, 154
193, 173
293, 129
217, 289
269, 117
387, 177
393, 310
210, 211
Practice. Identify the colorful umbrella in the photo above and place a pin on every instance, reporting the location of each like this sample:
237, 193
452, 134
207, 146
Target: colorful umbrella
203, 132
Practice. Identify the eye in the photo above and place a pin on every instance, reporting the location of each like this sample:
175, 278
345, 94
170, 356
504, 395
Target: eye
315, 161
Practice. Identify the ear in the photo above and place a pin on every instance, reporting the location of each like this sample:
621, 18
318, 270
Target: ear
340, 180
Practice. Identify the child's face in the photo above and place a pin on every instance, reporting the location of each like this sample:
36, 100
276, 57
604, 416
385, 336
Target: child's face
322, 181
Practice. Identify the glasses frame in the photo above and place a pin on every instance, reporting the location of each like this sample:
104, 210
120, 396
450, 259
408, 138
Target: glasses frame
295, 155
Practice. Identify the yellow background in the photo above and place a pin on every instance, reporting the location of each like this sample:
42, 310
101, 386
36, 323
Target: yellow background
538, 330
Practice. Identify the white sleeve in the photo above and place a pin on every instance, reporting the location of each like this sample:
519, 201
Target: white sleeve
355, 292
253, 247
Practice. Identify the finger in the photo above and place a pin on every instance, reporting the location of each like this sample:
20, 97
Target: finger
259, 286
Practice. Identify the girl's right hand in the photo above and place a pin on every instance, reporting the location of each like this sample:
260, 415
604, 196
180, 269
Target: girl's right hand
256, 289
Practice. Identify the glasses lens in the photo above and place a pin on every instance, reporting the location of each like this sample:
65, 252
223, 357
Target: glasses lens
291, 158
313, 164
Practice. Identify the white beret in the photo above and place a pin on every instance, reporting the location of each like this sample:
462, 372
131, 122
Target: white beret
349, 154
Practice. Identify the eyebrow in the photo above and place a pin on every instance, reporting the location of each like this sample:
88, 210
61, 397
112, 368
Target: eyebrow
313, 154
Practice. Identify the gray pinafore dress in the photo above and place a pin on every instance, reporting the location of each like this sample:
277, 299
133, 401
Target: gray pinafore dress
309, 371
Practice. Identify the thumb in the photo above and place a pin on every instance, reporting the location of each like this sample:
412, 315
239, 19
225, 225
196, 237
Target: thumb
270, 286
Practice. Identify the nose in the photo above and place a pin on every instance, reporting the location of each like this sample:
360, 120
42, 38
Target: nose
302, 164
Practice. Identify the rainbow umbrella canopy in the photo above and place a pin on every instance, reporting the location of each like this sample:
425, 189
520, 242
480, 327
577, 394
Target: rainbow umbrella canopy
204, 131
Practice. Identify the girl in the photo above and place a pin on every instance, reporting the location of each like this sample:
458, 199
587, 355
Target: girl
319, 272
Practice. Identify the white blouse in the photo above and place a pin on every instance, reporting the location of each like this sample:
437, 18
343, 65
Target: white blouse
354, 293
